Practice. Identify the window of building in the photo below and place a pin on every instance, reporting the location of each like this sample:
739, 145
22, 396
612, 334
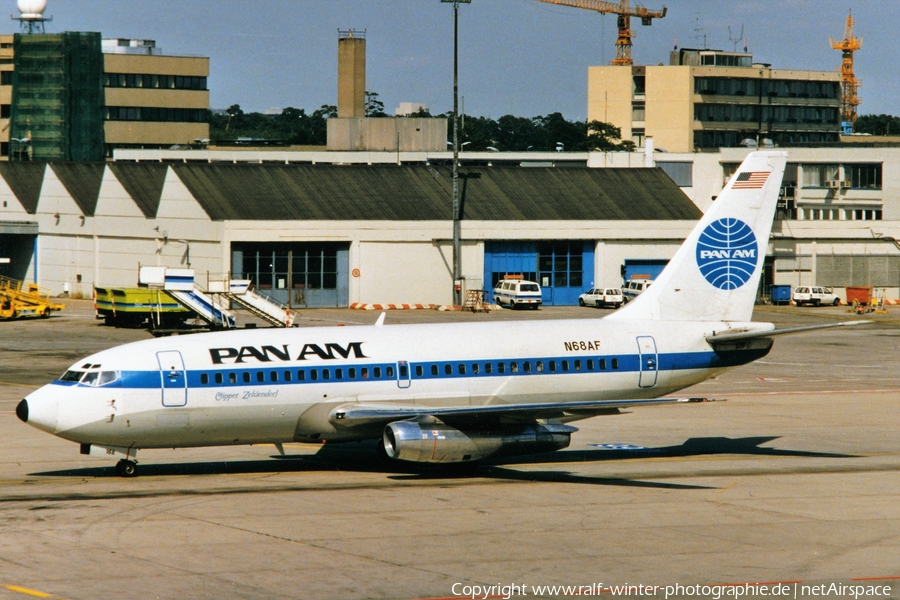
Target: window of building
819, 175
680, 172
170, 82
6, 77
864, 175
560, 264
155, 114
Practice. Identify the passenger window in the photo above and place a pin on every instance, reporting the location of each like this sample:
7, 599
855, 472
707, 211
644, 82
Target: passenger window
260, 376
474, 368
338, 373
526, 367
246, 376
273, 376
287, 375
461, 368
326, 374
351, 373
448, 369
232, 377
389, 372
552, 366
615, 363
204, 378
364, 372
590, 364
434, 370
376, 372
487, 368
301, 375
419, 371
539, 366
219, 378
313, 374
501, 367
602, 364
513, 367
577, 365
565, 365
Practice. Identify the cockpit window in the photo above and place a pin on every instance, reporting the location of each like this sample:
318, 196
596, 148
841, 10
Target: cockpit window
107, 377
72, 376
92, 378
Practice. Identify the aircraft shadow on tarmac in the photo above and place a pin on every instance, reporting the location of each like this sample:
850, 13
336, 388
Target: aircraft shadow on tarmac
361, 457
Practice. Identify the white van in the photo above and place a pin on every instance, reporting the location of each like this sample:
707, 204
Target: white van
517, 293
634, 288
815, 296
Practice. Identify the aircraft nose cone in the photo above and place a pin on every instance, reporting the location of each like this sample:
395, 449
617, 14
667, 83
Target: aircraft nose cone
22, 410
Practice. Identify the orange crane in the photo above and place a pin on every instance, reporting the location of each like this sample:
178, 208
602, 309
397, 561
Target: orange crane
850, 100
624, 11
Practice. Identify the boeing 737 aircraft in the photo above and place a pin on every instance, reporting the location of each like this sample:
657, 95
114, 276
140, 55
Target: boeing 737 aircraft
437, 393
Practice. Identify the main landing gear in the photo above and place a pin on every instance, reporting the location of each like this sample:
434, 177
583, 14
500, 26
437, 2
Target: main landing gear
126, 468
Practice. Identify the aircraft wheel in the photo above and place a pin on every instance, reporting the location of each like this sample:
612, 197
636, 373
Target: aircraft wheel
126, 468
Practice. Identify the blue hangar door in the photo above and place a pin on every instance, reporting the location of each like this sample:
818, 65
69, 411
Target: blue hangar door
562, 268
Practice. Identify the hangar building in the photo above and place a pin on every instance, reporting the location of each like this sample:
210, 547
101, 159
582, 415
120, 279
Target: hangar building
332, 235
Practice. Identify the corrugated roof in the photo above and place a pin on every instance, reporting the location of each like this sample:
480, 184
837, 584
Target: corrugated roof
25, 180
82, 180
423, 193
382, 192
143, 182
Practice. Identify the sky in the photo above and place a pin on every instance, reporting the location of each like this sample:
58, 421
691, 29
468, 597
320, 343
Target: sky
520, 57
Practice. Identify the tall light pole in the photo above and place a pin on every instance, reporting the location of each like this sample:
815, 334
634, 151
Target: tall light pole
457, 275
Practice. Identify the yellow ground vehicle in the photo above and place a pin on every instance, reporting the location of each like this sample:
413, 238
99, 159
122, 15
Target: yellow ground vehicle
20, 299
138, 307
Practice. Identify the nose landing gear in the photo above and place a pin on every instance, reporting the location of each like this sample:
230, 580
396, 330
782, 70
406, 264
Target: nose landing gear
126, 468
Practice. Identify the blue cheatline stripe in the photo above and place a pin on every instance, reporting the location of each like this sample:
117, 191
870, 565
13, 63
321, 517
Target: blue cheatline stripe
388, 371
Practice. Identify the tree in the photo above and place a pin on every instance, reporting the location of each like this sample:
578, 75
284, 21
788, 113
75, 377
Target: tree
374, 106
878, 124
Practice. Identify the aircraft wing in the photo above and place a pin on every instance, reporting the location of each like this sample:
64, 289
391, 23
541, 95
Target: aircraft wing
352, 415
733, 336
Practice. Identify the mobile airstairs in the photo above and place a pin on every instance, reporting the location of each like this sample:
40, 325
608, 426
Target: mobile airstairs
212, 304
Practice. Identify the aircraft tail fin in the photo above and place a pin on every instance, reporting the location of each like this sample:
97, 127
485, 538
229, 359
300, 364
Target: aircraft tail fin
715, 274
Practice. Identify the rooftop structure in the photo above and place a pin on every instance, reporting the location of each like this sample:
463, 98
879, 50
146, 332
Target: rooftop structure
708, 99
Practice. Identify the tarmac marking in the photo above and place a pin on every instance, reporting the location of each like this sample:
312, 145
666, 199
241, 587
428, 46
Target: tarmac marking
22, 590
797, 393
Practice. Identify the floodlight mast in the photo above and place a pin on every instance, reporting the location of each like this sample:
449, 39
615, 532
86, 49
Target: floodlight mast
457, 274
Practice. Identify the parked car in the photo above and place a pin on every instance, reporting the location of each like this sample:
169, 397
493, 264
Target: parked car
635, 287
814, 295
602, 297
516, 293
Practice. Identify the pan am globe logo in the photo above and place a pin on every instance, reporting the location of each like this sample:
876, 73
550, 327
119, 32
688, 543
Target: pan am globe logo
727, 253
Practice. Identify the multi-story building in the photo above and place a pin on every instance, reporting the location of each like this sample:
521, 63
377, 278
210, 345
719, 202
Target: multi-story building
56, 104
709, 99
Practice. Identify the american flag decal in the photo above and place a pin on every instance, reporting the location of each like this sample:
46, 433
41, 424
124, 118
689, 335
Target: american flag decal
750, 180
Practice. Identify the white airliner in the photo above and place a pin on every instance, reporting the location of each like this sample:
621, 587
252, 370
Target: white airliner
438, 393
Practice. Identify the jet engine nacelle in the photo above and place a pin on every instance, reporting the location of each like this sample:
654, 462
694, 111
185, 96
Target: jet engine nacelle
431, 440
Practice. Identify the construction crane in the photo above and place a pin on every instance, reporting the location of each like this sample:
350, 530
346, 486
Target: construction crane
624, 11
849, 99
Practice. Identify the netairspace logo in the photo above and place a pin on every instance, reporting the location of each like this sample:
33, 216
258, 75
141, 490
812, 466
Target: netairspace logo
727, 253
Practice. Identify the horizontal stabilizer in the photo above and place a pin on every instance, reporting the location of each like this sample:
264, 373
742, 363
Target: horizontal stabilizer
749, 335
